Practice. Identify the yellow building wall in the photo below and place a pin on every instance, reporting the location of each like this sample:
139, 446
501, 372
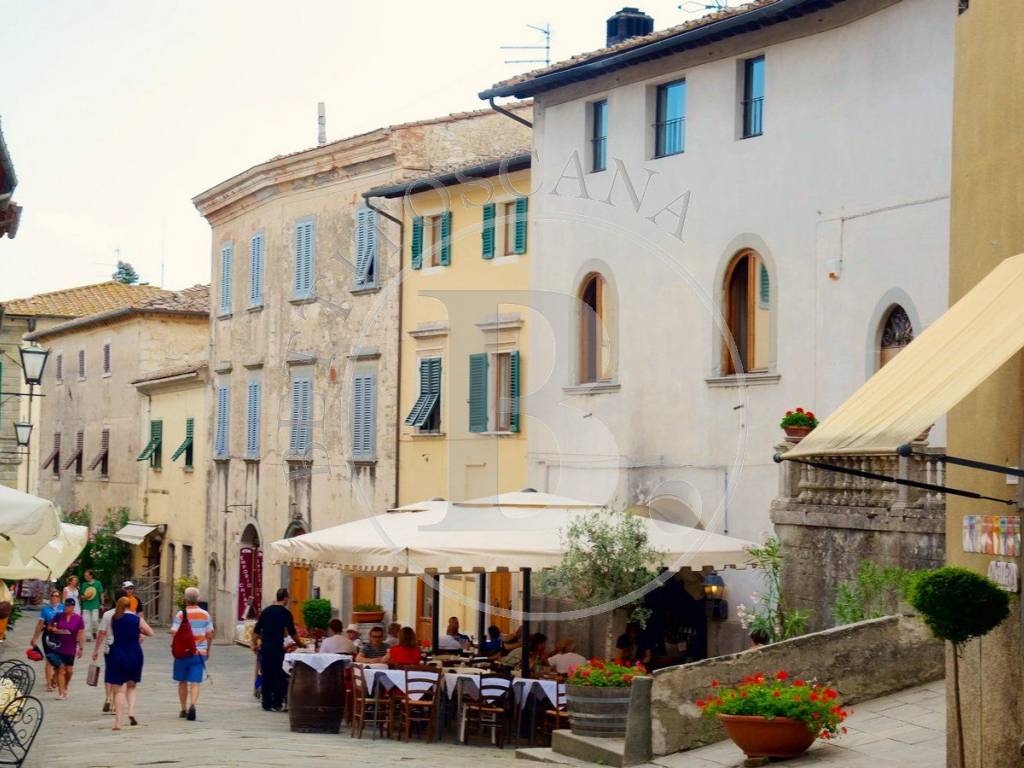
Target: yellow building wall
451, 312
987, 226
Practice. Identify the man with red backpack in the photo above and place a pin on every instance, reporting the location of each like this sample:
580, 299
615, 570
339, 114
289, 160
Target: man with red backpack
191, 651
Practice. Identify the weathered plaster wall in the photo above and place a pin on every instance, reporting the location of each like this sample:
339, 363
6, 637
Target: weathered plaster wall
863, 661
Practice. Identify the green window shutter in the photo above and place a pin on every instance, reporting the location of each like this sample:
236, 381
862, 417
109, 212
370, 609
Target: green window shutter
478, 392
430, 392
765, 288
446, 238
488, 232
520, 233
187, 443
417, 242
513, 391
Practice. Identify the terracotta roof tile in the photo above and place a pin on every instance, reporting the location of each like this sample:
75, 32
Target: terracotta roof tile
183, 369
194, 299
83, 300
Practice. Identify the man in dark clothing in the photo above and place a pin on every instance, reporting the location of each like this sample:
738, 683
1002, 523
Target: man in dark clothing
274, 624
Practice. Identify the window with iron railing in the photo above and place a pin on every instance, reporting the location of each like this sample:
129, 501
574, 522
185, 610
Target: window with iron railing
753, 97
670, 121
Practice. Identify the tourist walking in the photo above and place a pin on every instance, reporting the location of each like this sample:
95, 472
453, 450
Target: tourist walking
69, 631
274, 623
124, 661
92, 599
104, 639
188, 673
71, 591
136, 604
47, 614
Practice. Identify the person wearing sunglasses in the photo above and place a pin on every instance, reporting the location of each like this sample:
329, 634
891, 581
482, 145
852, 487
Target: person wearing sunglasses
47, 614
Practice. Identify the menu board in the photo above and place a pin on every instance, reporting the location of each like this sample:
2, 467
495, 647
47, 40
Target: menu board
992, 534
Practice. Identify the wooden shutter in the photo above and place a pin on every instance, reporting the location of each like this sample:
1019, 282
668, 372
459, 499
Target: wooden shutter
256, 270
487, 235
366, 248
446, 238
417, 242
478, 392
364, 415
106, 357
60, 366
81, 363
299, 441
252, 429
225, 280
221, 443
513, 390
520, 233
304, 254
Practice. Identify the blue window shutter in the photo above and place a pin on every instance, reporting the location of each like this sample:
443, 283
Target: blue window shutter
522, 204
225, 280
488, 232
293, 439
446, 238
366, 248
256, 270
478, 392
252, 434
306, 415
361, 252
364, 416
417, 243
513, 391
221, 442
304, 257
300, 441
764, 288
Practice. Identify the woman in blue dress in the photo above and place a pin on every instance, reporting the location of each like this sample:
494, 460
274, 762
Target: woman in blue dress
124, 661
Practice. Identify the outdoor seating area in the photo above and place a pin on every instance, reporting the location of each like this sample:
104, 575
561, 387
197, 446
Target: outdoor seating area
21, 713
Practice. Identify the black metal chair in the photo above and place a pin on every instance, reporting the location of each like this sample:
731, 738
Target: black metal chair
19, 723
21, 674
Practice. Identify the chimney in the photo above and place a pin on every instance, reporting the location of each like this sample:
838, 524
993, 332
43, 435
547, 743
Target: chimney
627, 23
321, 124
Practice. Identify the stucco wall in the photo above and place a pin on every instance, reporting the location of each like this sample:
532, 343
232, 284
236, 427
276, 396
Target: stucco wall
851, 176
863, 661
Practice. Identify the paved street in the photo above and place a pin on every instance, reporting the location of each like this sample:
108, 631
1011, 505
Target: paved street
231, 731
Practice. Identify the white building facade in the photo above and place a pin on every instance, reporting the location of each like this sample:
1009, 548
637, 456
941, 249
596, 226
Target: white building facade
738, 216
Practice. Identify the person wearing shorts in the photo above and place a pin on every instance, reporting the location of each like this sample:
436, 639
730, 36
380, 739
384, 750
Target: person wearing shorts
188, 673
69, 629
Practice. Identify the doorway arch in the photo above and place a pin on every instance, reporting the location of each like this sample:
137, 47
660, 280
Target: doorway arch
299, 578
250, 574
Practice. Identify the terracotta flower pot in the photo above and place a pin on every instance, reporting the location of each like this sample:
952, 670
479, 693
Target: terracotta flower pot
762, 737
796, 434
367, 617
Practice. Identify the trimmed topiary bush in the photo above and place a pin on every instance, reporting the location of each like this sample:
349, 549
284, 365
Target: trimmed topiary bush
316, 613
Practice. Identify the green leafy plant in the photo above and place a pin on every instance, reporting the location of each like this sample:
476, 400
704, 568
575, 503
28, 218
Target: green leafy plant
367, 608
15, 615
109, 558
815, 705
606, 557
799, 418
768, 617
873, 592
605, 674
181, 584
959, 605
316, 613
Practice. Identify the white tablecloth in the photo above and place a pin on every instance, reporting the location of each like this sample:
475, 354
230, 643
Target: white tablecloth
388, 678
318, 661
523, 686
471, 679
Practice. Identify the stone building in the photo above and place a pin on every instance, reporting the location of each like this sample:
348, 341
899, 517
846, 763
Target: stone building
306, 303
727, 216
19, 317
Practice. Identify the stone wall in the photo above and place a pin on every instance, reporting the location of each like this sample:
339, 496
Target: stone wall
865, 660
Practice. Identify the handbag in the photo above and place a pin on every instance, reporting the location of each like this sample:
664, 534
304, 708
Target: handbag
93, 676
51, 641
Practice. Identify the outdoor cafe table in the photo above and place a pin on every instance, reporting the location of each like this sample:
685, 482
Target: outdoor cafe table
318, 661
316, 691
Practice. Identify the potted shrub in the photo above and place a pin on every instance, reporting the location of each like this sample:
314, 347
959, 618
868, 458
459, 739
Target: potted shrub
316, 613
368, 613
775, 716
597, 697
798, 423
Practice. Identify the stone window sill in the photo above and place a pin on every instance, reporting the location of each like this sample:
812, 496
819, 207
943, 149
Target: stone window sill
744, 379
300, 302
257, 308
224, 315
592, 388
497, 433
422, 435
188, 470
365, 291
362, 462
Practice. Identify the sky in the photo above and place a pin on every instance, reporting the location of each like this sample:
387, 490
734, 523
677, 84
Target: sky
117, 113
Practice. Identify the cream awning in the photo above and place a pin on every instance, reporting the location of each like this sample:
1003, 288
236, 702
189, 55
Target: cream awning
50, 562
936, 371
27, 523
452, 538
135, 533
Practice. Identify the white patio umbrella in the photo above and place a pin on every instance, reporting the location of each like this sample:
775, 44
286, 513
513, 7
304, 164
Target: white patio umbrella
529, 497
27, 524
54, 558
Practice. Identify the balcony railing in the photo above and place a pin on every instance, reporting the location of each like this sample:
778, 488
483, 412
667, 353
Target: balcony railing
599, 153
753, 117
670, 137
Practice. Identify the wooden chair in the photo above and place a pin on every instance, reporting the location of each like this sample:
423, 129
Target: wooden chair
558, 716
377, 709
418, 704
490, 710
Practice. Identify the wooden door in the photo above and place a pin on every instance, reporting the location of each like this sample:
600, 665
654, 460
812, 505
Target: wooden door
424, 612
500, 597
364, 590
298, 591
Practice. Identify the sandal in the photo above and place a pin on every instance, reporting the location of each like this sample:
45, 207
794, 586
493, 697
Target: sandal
132, 720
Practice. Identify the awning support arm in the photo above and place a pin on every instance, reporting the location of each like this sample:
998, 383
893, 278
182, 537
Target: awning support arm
907, 450
897, 480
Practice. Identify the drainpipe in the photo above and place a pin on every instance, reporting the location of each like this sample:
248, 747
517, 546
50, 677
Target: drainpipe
506, 113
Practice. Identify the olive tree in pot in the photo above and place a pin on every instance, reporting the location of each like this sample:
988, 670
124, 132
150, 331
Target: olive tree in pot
959, 605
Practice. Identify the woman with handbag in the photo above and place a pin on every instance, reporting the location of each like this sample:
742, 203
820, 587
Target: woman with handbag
47, 614
124, 661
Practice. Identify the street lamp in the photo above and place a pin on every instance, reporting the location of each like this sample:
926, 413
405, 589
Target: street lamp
33, 361
22, 433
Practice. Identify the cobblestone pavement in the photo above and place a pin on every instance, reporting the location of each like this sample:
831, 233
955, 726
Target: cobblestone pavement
231, 729
907, 729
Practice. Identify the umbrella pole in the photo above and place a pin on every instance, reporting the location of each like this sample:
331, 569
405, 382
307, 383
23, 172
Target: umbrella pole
481, 614
435, 612
525, 635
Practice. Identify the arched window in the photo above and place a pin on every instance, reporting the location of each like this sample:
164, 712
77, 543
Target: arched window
897, 332
595, 335
747, 302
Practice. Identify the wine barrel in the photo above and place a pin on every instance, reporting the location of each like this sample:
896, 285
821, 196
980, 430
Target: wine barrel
596, 711
316, 701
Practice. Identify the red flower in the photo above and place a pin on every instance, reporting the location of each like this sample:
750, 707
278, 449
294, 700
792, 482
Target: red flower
825, 735
813, 696
789, 413
810, 414
776, 694
701, 703
843, 729
714, 683
748, 679
799, 410
831, 693
799, 683
796, 698
743, 694
584, 672
782, 675
627, 678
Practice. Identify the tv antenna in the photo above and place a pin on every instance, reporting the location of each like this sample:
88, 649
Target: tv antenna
692, 6
546, 61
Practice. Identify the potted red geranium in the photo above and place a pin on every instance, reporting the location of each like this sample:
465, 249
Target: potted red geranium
775, 716
798, 423
597, 697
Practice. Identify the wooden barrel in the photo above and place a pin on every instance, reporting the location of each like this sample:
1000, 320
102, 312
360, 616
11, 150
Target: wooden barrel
316, 701
595, 711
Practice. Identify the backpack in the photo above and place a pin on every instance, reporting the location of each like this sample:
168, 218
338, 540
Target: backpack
183, 644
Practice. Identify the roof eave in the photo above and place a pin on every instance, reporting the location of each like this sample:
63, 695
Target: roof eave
100, 318
731, 25
426, 183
